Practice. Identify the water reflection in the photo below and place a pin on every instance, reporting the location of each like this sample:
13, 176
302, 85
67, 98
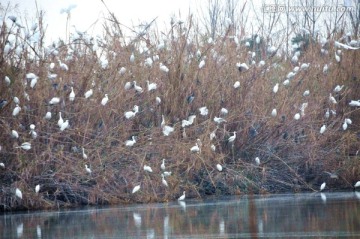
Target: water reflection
298, 216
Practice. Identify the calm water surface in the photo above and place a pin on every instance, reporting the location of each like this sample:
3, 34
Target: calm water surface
326, 215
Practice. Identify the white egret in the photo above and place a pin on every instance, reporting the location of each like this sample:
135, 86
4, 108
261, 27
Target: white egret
322, 187
137, 88
7, 80
201, 64
88, 170
242, 66
188, 122
338, 88
14, 134
290, 75
148, 169
33, 82
274, 113
213, 134
357, 184
327, 114
105, 100
37, 188
136, 188
326, 68
25, 146
60, 121
322, 129
2, 165
304, 66
219, 120
332, 99
122, 70
167, 130
257, 161
297, 116
54, 101
348, 121
182, 197
16, 110
128, 85
88, 93
132, 57
306, 93
261, 63
276, 88
337, 58
151, 86
232, 138
213, 147
18, 193
164, 181
72, 94
223, 111
196, 148
131, 114
166, 174
219, 167
163, 68
64, 125
286, 82
16, 100
84, 154
130, 142
148, 62
158, 100
162, 166
204, 111
354, 103
345, 125
236, 84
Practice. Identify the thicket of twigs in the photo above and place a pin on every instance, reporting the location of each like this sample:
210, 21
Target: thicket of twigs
294, 155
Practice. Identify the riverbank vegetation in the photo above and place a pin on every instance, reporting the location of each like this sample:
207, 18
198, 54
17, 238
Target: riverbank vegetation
291, 100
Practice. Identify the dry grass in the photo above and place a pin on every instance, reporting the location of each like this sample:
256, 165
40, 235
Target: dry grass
294, 155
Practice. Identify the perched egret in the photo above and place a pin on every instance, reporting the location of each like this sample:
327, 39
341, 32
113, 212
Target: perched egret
357, 184
18, 193
136, 188
37, 188
326, 68
338, 88
224, 111
345, 125
348, 121
213, 147
132, 57
306, 93
14, 134
164, 68
162, 166
182, 197
137, 88
131, 114
322, 129
236, 84
130, 142
148, 62
158, 100
105, 100
213, 134
327, 114
64, 125
196, 148
16, 100
204, 111
84, 154
354, 103
304, 66
201, 64
88, 170
88, 93
274, 113
219, 120
257, 161
166, 174
72, 94
167, 130
16, 110
297, 116
60, 121
164, 181
276, 88
128, 85
242, 66
25, 146
219, 167
54, 101
232, 138
332, 99
337, 58
33, 82
148, 169
7, 80
290, 75
286, 82
188, 122
2, 165
151, 86
322, 187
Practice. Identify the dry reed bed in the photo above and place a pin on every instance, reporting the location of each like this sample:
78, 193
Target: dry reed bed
293, 154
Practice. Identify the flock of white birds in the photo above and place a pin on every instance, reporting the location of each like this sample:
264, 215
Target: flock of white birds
32, 80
